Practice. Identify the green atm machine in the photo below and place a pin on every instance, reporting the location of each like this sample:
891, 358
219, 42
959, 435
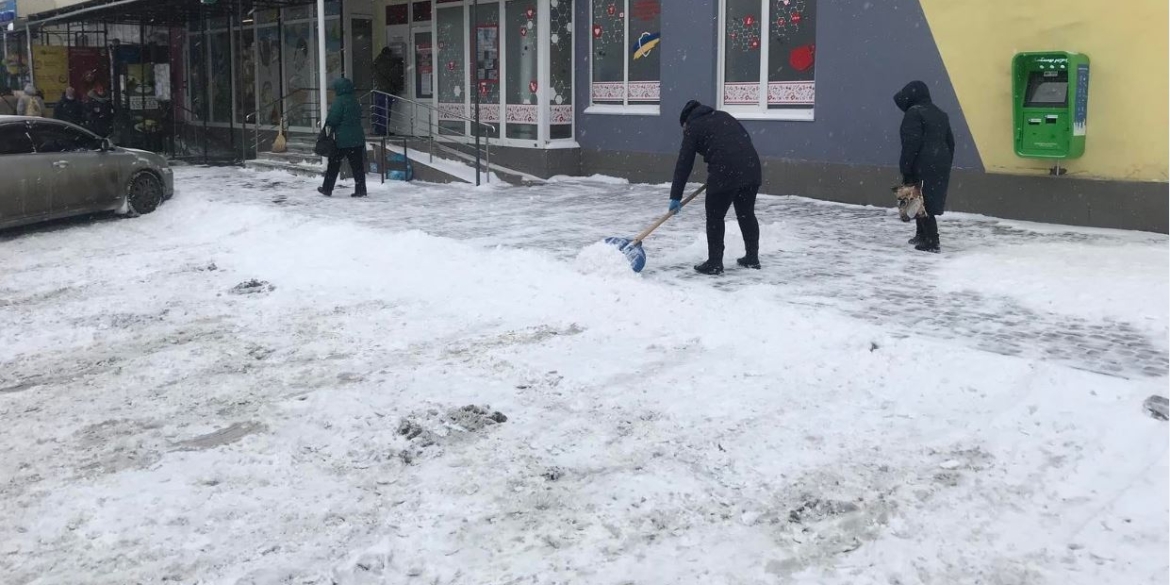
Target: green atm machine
1050, 104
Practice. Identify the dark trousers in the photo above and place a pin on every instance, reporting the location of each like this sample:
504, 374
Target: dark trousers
357, 164
744, 201
927, 228
383, 104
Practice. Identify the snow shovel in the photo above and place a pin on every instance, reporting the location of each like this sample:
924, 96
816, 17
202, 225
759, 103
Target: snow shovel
633, 248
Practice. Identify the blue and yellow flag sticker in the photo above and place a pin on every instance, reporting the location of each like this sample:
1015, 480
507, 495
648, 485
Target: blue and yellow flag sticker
645, 44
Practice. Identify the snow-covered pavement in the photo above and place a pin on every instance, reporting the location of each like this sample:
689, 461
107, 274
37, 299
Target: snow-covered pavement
427, 388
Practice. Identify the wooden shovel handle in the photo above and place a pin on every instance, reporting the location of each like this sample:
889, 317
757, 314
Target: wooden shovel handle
662, 220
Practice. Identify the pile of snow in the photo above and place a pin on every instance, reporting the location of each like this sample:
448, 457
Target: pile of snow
604, 260
602, 179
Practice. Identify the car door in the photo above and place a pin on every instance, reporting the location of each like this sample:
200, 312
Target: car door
81, 176
21, 196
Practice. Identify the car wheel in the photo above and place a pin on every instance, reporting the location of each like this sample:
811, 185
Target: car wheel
144, 195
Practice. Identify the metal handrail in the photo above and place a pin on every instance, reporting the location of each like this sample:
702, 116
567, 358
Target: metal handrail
285, 114
432, 108
431, 126
277, 101
192, 123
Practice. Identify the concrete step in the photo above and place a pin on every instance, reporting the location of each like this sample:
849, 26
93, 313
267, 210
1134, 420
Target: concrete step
291, 156
303, 170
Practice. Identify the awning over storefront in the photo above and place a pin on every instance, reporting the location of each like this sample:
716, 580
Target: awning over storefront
153, 12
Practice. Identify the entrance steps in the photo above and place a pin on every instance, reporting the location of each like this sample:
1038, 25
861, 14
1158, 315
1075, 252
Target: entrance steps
450, 163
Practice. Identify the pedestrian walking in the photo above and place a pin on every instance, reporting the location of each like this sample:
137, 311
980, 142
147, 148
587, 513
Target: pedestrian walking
345, 122
928, 150
7, 101
733, 180
30, 104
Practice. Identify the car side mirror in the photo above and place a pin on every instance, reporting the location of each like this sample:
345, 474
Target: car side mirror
107, 145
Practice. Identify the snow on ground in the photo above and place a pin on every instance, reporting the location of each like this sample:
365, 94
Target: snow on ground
260, 385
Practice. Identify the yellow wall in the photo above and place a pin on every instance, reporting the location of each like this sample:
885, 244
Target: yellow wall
1128, 136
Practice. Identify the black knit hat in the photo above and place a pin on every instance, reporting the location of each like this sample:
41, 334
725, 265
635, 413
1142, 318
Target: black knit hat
686, 112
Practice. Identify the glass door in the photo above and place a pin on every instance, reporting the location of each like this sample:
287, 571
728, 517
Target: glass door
451, 98
488, 62
362, 55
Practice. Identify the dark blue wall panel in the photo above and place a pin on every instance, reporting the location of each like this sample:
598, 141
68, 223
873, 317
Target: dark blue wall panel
866, 51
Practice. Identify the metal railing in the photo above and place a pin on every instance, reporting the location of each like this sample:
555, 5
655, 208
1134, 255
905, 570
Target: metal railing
426, 127
308, 110
193, 138
407, 121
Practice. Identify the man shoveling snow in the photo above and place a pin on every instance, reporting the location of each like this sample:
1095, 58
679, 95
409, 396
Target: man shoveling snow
733, 179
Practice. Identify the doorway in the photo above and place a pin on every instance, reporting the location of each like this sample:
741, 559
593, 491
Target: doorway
362, 55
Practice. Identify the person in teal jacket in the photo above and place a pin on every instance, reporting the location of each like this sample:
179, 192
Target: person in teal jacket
345, 122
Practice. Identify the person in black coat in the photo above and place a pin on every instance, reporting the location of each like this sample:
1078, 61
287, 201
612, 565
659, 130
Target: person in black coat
928, 149
733, 179
69, 109
99, 113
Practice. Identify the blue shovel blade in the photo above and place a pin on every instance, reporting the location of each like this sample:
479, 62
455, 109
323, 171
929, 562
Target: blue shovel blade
634, 252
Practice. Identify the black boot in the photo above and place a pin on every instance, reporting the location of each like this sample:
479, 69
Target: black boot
918, 231
749, 261
929, 241
322, 191
710, 268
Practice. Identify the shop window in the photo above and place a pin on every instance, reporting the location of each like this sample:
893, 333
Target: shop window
626, 55
197, 66
421, 11
268, 74
452, 58
486, 60
300, 74
221, 79
397, 14
561, 74
768, 58
246, 73
522, 109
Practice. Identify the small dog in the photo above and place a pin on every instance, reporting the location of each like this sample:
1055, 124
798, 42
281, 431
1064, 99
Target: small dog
910, 203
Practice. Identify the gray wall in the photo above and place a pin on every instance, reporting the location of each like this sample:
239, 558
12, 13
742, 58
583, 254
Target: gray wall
866, 51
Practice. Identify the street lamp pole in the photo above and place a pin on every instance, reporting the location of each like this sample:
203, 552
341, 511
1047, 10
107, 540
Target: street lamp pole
475, 79
322, 90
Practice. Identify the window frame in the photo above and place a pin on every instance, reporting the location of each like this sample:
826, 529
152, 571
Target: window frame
626, 108
761, 110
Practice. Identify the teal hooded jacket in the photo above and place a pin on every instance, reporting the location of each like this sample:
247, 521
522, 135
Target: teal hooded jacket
345, 116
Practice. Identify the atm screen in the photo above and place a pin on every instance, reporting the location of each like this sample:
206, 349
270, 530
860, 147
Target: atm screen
1046, 89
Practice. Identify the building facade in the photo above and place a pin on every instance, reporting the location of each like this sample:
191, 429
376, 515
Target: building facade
595, 86
813, 82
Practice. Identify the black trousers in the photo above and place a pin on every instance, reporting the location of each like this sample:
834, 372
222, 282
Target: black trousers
927, 228
744, 201
357, 164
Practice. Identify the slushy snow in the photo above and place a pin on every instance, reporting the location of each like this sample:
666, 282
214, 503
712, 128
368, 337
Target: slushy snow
423, 387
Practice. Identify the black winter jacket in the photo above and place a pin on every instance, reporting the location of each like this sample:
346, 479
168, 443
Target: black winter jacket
99, 114
732, 161
70, 110
388, 73
928, 145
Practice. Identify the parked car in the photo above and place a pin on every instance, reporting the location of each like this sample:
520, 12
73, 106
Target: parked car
51, 169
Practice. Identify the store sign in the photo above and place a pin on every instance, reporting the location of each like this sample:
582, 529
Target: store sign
7, 10
143, 103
